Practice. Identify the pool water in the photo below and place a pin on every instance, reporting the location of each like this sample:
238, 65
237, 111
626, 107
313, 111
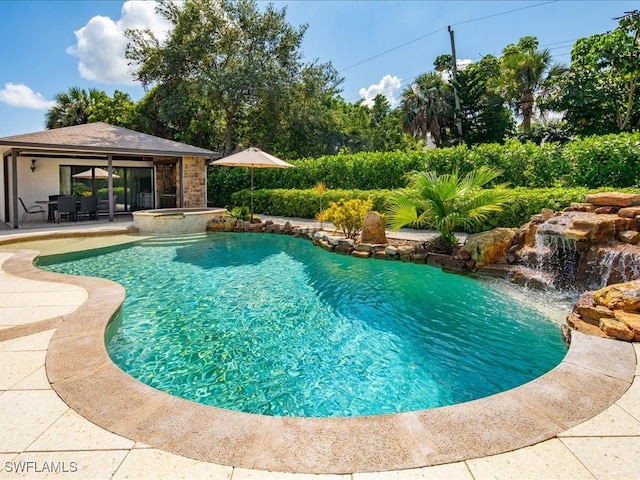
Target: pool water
272, 325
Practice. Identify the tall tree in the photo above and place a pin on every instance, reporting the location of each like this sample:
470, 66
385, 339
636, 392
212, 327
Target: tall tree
117, 110
73, 107
485, 118
226, 56
427, 107
524, 71
599, 93
298, 120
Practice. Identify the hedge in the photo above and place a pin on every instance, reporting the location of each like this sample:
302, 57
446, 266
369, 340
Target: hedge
591, 162
520, 205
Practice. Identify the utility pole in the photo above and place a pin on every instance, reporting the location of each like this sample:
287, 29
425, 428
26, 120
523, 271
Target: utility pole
454, 74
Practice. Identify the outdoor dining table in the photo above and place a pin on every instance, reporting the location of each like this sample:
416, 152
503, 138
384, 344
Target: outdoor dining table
51, 204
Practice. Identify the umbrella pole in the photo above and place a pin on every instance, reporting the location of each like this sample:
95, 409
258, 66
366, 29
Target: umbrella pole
251, 217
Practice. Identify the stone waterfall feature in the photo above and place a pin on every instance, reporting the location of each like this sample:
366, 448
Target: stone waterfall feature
581, 249
589, 247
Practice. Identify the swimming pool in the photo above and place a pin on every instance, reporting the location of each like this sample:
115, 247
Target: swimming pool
275, 326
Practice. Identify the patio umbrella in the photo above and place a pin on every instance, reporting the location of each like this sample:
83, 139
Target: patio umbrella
253, 158
99, 173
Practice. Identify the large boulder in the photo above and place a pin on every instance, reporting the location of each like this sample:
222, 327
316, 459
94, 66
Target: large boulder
373, 229
613, 199
585, 226
620, 296
489, 247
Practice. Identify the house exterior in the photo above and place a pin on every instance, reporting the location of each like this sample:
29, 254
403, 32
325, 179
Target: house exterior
132, 170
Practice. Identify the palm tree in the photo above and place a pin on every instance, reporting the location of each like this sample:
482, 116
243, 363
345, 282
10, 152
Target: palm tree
426, 107
446, 202
524, 71
74, 107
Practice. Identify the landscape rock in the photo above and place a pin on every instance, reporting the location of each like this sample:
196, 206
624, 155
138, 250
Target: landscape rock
489, 247
629, 236
585, 226
363, 247
616, 329
344, 249
221, 224
629, 212
620, 296
587, 308
631, 320
614, 199
373, 229
606, 210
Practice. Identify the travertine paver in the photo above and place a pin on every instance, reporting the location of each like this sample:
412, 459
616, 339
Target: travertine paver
94, 465
449, 471
549, 459
630, 401
36, 381
247, 474
73, 432
26, 301
15, 366
39, 341
614, 421
161, 465
25, 415
607, 458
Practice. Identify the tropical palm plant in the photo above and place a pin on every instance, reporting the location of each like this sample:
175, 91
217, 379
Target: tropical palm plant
426, 107
524, 73
446, 202
73, 107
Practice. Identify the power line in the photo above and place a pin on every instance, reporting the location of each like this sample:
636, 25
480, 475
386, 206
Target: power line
504, 13
441, 29
392, 49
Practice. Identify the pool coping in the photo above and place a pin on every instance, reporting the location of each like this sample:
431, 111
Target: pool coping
592, 376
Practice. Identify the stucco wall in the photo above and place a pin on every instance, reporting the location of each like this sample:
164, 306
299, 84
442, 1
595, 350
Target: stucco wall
45, 180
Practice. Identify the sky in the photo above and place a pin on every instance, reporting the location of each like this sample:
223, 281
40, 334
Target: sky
377, 46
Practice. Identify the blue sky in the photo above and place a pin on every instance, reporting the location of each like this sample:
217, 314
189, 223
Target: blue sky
49, 46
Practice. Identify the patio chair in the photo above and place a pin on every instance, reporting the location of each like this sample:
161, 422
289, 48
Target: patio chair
53, 207
88, 206
67, 206
32, 209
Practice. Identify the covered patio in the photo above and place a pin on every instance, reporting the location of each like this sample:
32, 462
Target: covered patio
128, 170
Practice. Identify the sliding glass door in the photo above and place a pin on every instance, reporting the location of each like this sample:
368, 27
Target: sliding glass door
132, 186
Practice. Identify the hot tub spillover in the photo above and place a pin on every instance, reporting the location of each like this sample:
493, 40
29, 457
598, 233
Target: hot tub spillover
175, 220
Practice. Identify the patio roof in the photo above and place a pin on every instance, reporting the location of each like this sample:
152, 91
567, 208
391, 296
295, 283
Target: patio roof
102, 138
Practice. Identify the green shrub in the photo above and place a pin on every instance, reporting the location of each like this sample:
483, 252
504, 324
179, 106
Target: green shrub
609, 160
348, 215
241, 213
304, 203
604, 161
520, 203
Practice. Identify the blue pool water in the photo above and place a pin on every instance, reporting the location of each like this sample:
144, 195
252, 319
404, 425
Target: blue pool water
273, 325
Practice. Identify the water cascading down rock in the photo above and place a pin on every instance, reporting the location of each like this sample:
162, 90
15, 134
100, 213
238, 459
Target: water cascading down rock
587, 246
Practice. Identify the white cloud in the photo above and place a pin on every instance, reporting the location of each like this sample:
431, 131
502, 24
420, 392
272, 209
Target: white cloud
101, 42
19, 95
461, 64
387, 87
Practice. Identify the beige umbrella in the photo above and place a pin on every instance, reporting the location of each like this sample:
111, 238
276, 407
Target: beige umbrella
99, 173
254, 158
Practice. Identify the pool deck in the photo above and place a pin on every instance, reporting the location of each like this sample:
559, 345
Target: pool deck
581, 420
